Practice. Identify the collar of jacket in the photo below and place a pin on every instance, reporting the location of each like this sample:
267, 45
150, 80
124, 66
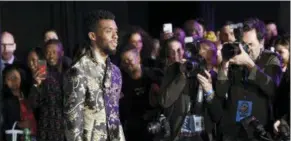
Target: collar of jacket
93, 56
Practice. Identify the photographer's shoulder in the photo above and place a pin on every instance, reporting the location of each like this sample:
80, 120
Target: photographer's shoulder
271, 57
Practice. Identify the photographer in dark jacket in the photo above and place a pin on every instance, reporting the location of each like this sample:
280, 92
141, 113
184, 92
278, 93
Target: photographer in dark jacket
251, 86
183, 101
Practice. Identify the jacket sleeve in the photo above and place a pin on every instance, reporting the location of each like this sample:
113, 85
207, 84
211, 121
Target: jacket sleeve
34, 96
222, 84
74, 97
170, 93
215, 109
269, 79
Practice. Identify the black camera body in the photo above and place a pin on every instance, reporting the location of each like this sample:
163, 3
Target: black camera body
191, 47
253, 127
195, 63
284, 131
229, 50
255, 130
160, 127
195, 66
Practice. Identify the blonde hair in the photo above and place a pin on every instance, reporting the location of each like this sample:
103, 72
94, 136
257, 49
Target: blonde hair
210, 35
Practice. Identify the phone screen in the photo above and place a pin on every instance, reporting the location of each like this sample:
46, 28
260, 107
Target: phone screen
42, 65
167, 28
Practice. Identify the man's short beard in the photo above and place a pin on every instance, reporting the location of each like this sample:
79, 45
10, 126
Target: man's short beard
108, 51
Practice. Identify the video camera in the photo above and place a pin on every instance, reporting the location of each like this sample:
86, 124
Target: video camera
194, 62
255, 129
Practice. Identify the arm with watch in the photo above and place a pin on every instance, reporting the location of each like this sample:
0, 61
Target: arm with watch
213, 102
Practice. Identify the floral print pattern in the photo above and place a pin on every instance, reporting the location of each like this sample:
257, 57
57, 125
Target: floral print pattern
91, 106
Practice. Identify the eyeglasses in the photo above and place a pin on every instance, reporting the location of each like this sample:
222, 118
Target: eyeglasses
8, 47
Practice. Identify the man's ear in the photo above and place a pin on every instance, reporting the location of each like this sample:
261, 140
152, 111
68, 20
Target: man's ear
92, 36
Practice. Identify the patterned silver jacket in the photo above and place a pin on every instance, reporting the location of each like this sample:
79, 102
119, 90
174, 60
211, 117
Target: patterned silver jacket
91, 105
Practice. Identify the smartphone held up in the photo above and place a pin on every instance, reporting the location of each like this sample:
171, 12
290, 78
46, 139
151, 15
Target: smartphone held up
42, 67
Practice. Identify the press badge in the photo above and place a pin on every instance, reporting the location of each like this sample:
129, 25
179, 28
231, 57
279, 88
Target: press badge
198, 123
244, 109
192, 124
186, 127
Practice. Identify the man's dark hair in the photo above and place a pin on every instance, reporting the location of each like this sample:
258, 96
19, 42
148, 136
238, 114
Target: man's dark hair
92, 19
226, 24
257, 25
269, 22
55, 42
202, 23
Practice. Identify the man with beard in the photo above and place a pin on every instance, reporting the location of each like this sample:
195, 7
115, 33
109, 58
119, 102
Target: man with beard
250, 80
93, 85
137, 82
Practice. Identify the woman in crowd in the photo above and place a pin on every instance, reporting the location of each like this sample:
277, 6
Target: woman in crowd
141, 40
16, 107
282, 99
172, 52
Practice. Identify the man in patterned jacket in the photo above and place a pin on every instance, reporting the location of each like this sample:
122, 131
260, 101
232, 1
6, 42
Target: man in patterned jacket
93, 85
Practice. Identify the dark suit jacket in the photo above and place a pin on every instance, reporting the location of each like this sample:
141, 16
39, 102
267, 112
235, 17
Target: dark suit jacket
11, 112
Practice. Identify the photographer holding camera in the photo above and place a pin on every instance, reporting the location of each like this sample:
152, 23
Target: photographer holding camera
182, 95
248, 77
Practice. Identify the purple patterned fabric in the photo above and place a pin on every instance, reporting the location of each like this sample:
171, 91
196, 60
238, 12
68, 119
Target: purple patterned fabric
111, 98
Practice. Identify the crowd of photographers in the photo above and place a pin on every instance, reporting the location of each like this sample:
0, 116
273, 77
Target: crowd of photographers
231, 85
190, 85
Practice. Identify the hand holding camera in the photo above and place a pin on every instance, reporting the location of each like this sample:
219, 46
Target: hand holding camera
205, 82
276, 125
242, 59
237, 54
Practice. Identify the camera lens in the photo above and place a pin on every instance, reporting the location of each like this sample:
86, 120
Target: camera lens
230, 50
154, 127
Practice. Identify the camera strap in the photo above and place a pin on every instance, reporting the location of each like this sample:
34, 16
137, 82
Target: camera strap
193, 123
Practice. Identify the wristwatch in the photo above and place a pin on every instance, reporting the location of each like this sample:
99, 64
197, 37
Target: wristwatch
209, 95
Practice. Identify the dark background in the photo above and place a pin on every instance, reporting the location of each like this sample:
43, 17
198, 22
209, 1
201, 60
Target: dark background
28, 20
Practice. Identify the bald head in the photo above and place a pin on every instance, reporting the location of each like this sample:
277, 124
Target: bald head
7, 37
194, 28
8, 46
50, 34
